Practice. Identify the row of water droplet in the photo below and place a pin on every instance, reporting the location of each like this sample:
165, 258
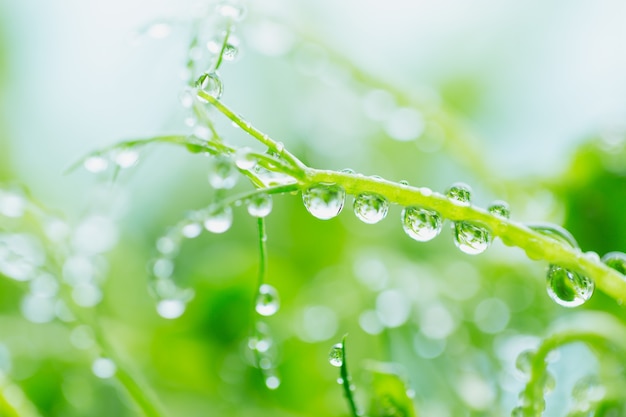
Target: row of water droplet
566, 287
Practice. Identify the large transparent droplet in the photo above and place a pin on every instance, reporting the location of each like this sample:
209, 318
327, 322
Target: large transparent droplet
370, 208
500, 208
616, 260
568, 288
460, 194
324, 201
267, 302
421, 224
222, 173
470, 238
211, 84
335, 357
260, 205
219, 219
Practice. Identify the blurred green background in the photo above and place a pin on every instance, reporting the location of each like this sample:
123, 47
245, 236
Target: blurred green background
542, 86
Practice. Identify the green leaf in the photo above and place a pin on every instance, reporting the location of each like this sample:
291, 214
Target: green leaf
390, 396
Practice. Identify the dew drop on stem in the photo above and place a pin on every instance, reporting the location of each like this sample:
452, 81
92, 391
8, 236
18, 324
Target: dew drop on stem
460, 194
524, 360
222, 173
267, 302
324, 201
470, 238
230, 52
421, 224
500, 209
260, 205
616, 260
219, 219
370, 208
244, 159
211, 84
568, 288
335, 356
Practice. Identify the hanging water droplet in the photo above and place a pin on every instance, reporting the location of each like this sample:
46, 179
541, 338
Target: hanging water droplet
222, 173
616, 260
211, 84
231, 10
267, 301
421, 224
370, 208
460, 194
230, 52
470, 238
500, 208
280, 147
335, 357
524, 361
96, 164
549, 382
219, 219
568, 288
171, 308
260, 205
103, 368
126, 158
324, 201
244, 159
191, 230
166, 245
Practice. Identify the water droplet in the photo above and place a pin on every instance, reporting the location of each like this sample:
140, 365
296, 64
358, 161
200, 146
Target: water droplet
348, 171
280, 147
588, 389
230, 52
616, 260
403, 182
267, 301
232, 11
260, 205
549, 382
96, 164
171, 309
324, 201
103, 368
191, 230
555, 232
163, 268
211, 84
166, 245
222, 173
460, 194
219, 219
335, 357
524, 361
244, 159
568, 288
470, 238
370, 208
126, 158
500, 208
272, 382
421, 224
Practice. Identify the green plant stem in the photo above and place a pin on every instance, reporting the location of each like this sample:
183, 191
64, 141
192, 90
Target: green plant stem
345, 380
255, 133
220, 56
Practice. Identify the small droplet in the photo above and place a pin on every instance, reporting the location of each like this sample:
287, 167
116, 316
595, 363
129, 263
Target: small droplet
191, 230
524, 361
616, 260
335, 357
470, 238
96, 164
267, 302
103, 368
348, 171
568, 288
163, 268
126, 158
421, 224
211, 84
549, 382
219, 219
166, 245
171, 309
500, 208
403, 182
232, 11
460, 194
280, 147
554, 232
272, 382
244, 159
222, 173
260, 205
230, 52
324, 201
370, 208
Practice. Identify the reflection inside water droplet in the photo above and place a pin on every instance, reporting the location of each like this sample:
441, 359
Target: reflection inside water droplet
218, 219
470, 238
324, 201
260, 205
460, 194
370, 208
421, 224
568, 288
267, 302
